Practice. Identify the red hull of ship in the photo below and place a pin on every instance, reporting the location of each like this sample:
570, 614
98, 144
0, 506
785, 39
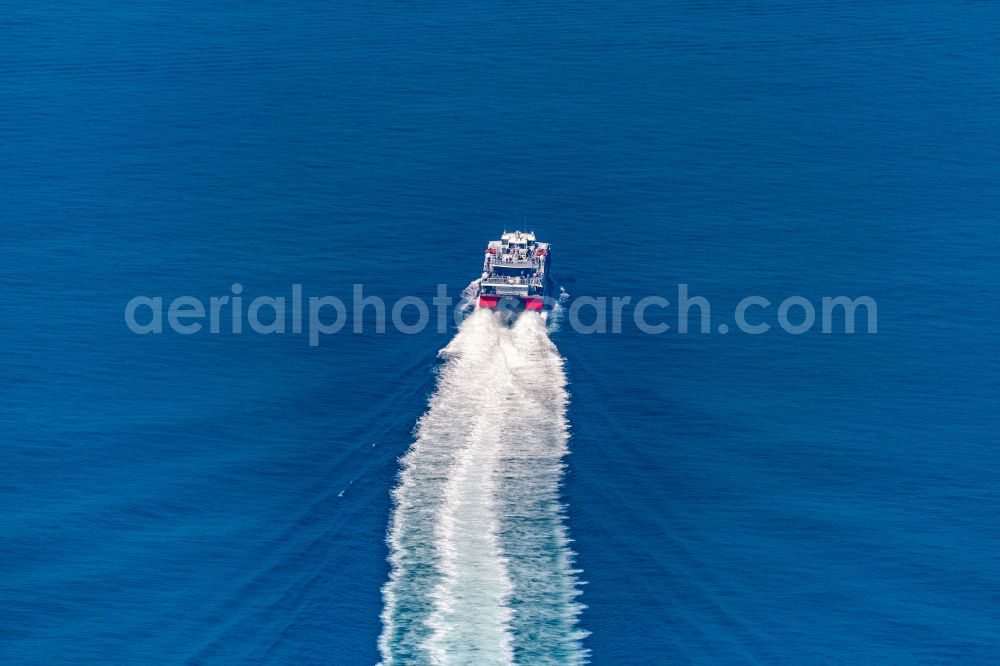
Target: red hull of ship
531, 303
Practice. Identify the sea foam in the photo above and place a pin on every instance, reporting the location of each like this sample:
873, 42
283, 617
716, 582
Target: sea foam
481, 569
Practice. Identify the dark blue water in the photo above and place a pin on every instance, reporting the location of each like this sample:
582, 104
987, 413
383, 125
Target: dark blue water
224, 498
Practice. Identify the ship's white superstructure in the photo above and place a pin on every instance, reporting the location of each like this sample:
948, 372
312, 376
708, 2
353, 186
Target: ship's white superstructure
516, 268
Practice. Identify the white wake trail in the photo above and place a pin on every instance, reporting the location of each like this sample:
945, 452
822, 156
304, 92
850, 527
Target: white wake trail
481, 566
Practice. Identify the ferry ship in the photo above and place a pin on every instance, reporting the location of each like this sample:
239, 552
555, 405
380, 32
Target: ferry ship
516, 270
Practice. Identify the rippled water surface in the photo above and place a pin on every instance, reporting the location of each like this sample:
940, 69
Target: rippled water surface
224, 498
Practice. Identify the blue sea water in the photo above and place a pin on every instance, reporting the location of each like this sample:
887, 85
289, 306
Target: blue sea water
218, 499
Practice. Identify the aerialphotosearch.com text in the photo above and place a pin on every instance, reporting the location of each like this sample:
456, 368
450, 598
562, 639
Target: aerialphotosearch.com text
236, 313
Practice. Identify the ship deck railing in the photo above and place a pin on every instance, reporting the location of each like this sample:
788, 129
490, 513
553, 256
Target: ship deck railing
524, 263
520, 281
